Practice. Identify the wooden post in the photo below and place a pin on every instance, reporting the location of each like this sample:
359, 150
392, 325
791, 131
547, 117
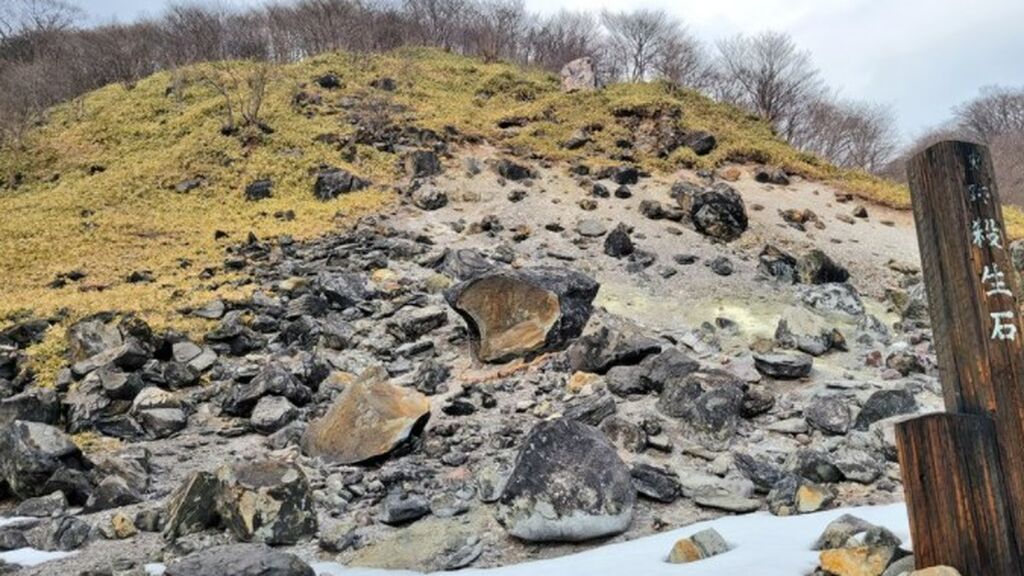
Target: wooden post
972, 297
951, 478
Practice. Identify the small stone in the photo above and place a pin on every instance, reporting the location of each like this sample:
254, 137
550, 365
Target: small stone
123, 526
783, 366
404, 508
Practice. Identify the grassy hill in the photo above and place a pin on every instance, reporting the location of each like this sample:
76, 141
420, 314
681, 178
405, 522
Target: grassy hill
96, 182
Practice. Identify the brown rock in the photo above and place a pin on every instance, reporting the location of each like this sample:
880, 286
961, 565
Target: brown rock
936, 571
860, 561
368, 419
515, 313
684, 551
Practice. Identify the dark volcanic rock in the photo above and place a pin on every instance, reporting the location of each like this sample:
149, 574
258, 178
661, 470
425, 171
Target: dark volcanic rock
829, 414
463, 263
885, 404
515, 313
510, 170
783, 366
656, 483
601, 350
617, 243
708, 403
568, 485
259, 190
266, 501
774, 263
702, 143
31, 453
718, 212
239, 560
272, 379
333, 182
816, 267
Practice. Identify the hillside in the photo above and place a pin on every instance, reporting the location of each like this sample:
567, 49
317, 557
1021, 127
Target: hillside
424, 313
96, 183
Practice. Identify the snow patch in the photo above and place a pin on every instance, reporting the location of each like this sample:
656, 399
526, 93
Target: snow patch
29, 557
759, 544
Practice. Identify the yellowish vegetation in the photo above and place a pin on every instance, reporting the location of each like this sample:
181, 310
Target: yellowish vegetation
67, 214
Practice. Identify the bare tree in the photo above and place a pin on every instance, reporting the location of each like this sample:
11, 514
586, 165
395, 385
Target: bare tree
638, 39
436, 22
562, 37
847, 134
683, 61
995, 112
770, 76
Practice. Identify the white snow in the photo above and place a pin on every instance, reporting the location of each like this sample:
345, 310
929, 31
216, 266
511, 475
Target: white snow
31, 557
760, 544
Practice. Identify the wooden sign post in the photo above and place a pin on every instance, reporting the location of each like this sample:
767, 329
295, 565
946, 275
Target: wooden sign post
963, 470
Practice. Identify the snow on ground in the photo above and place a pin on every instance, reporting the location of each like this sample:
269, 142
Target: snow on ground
761, 544
31, 556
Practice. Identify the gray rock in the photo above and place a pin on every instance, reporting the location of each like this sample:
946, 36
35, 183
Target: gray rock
271, 414
829, 414
658, 484
718, 212
429, 198
841, 298
112, 492
193, 506
708, 403
591, 409
839, 531
568, 485
599, 351
400, 508
816, 267
34, 405
591, 228
333, 182
266, 501
30, 453
463, 263
239, 560
579, 76
783, 366
273, 379
885, 404
42, 506
618, 243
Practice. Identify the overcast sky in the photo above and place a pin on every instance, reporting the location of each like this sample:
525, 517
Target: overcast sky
920, 56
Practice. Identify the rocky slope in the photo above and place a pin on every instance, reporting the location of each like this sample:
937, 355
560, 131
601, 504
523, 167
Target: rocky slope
522, 359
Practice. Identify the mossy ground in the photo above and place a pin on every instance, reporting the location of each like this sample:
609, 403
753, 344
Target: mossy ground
97, 179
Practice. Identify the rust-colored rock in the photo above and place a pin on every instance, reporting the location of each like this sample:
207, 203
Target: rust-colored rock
860, 561
515, 313
368, 419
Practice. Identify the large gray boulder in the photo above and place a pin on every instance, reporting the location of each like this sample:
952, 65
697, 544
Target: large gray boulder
239, 560
266, 501
30, 454
568, 484
708, 403
516, 313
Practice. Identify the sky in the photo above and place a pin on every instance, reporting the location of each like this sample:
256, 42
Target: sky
922, 57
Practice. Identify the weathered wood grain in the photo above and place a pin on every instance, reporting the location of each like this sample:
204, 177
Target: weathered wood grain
981, 359
959, 512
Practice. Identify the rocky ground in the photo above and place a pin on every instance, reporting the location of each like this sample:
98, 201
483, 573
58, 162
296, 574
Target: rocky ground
520, 361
